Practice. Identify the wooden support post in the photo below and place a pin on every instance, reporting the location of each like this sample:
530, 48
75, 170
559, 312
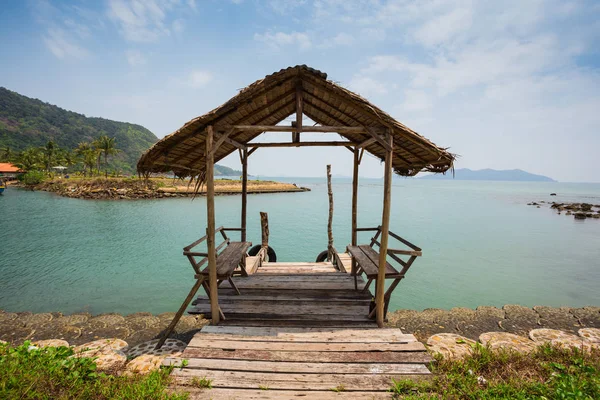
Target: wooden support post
179, 313
264, 226
330, 219
244, 191
355, 196
355, 211
299, 111
385, 229
210, 222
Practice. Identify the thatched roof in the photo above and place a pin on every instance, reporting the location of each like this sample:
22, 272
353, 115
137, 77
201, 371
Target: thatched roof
269, 101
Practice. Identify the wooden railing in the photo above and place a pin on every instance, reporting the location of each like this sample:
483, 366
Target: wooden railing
192, 254
414, 251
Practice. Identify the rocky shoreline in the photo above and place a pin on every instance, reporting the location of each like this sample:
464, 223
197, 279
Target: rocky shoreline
578, 210
140, 327
131, 189
514, 319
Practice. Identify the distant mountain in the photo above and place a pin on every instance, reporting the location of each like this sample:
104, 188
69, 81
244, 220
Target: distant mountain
221, 170
27, 122
466, 174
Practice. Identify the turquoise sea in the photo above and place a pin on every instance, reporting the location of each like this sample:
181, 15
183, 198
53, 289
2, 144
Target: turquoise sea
482, 245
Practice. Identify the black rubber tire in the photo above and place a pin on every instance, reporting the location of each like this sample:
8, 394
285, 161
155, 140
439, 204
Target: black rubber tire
322, 257
272, 257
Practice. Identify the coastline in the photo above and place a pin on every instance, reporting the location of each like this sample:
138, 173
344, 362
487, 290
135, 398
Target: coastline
154, 188
79, 328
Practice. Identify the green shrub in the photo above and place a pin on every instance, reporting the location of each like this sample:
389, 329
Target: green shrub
33, 177
27, 372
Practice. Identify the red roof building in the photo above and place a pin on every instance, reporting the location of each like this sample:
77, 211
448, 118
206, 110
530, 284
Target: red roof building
9, 169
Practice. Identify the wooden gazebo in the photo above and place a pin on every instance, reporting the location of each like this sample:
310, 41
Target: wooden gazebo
194, 148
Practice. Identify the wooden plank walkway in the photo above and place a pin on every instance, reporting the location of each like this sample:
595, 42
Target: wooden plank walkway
296, 330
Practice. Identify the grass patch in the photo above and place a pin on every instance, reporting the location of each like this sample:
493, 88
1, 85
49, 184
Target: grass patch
27, 372
202, 383
548, 373
338, 388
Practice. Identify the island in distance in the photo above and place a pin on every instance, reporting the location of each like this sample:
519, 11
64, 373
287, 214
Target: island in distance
465, 174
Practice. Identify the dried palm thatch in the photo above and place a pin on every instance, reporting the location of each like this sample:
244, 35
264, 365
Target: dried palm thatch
269, 101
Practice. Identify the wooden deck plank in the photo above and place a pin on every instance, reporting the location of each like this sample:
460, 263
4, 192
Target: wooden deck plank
311, 356
315, 334
278, 300
299, 367
293, 346
317, 294
284, 308
343, 337
286, 322
277, 381
250, 394
298, 330
281, 283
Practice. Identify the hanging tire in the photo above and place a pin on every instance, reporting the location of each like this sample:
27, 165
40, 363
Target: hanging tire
322, 257
271, 256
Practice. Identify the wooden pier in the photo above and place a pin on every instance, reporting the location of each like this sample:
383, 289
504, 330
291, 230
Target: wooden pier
296, 330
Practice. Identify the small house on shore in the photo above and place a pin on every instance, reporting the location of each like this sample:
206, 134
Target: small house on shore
8, 170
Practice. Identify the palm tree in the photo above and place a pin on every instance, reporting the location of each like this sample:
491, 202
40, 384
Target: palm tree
7, 154
107, 146
89, 156
89, 159
30, 159
49, 154
69, 158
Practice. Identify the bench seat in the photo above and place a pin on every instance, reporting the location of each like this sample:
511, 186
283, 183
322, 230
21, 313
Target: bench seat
368, 260
229, 259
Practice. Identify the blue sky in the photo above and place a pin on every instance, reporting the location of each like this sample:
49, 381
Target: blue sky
510, 84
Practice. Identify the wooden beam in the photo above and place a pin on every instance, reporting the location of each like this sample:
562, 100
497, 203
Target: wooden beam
378, 138
367, 142
221, 139
210, 222
302, 144
244, 191
252, 150
317, 128
224, 138
385, 229
299, 111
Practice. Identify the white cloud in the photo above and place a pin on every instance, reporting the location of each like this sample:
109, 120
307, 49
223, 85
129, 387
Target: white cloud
135, 58
178, 26
416, 101
141, 21
199, 78
280, 39
285, 6
443, 28
62, 45
367, 86
192, 4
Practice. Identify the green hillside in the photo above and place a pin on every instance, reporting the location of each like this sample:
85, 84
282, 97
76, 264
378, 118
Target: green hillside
27, 122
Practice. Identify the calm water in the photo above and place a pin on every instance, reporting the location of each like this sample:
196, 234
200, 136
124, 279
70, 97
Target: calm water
481, 244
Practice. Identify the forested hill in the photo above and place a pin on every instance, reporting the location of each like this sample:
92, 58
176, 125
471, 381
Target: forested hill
27, 122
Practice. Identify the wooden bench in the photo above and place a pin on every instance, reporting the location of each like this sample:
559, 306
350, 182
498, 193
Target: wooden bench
232, 256
366, 259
